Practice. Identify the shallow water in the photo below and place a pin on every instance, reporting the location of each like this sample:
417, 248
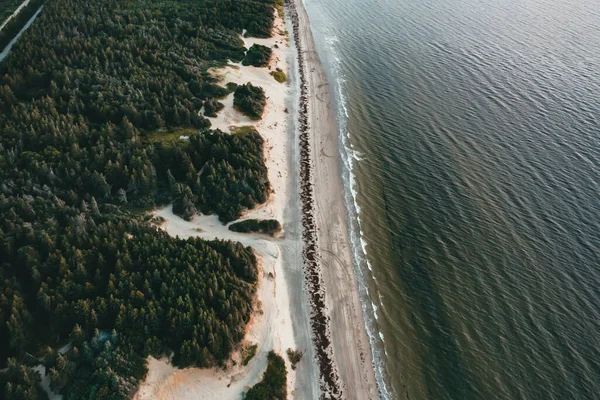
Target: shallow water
472, 130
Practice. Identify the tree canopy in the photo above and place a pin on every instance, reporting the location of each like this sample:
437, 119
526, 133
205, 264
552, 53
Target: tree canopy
273, 384
87, 96
250, 100
257, 56
269, 226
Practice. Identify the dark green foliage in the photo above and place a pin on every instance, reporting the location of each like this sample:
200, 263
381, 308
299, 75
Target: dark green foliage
255, 16
257, 56
79, 123
146, 65
83, 95
72, 269
100, 368
212, 107
273, 385
231, 86
226, 173
295, 356
250, 100
183, 202
20, 382
270, 226
7, 7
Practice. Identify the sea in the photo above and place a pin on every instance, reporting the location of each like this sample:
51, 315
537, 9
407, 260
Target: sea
470, 137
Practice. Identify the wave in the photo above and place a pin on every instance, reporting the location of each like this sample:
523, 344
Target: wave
359, 244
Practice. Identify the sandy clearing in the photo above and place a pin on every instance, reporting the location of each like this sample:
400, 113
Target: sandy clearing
272, 326
274, 115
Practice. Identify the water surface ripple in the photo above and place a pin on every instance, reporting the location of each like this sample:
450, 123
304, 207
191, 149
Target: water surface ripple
472, 130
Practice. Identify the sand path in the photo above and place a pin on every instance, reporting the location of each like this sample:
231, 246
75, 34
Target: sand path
6, 50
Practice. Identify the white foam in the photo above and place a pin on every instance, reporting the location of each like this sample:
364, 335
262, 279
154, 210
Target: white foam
349, 157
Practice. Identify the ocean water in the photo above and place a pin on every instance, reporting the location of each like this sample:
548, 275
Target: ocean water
471, 140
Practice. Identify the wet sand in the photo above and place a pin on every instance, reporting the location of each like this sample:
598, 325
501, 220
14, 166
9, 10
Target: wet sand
339, 333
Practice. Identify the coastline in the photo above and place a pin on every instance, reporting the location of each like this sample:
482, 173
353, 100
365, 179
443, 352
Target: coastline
345, 359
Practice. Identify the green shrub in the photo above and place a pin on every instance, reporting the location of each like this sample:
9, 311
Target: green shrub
295, 356
279, 76
248, 353
212, 107
231, 86
269, 226
273, 385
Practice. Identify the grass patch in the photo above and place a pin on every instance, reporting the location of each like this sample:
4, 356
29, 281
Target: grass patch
279, 76
257, 56
171, 136
279, 6
248, 352
243, 130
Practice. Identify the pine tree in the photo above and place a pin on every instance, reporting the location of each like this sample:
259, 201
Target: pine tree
94, 207
122, 196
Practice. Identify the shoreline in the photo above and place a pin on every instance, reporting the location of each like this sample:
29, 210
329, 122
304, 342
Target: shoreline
345, 359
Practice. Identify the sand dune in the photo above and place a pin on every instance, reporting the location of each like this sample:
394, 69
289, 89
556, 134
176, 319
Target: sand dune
269, 328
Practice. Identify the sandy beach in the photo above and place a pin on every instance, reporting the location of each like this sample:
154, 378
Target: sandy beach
349, 346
